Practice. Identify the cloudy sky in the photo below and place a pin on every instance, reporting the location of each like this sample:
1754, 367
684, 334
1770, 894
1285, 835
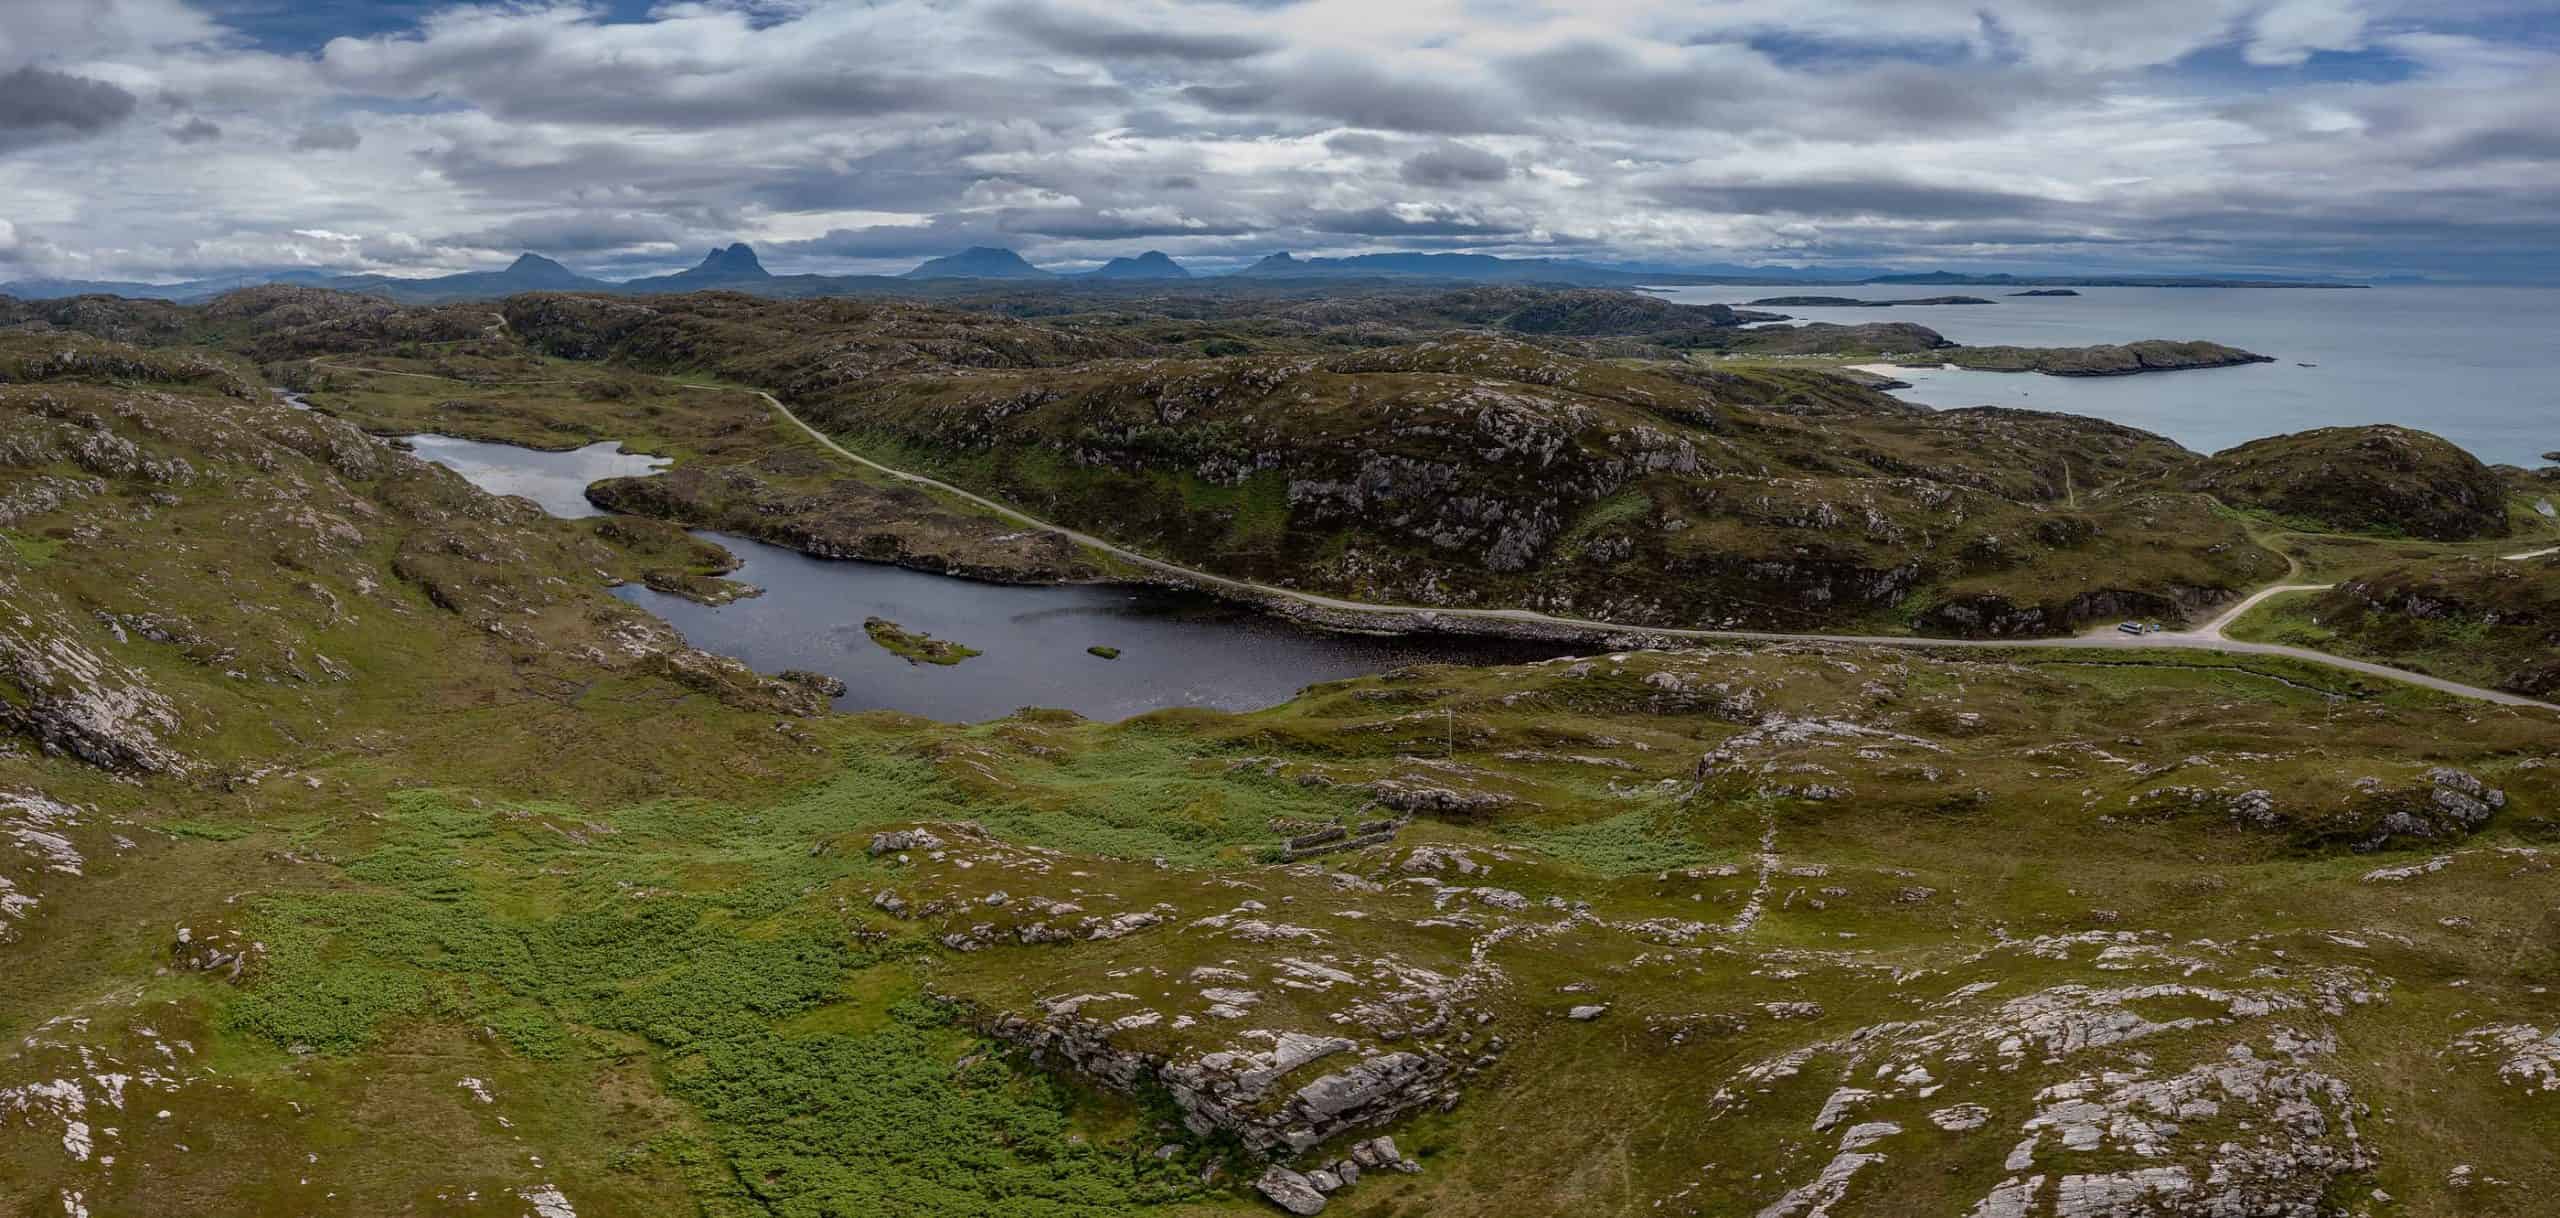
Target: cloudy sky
167, 138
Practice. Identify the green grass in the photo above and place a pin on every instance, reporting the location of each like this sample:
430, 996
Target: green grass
861, 1112
36, 552
211, 831
1625, 507
1646, 838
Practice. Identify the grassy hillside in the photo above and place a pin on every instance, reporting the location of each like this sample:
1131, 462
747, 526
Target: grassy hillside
1474, 470
341, 808
2382, 480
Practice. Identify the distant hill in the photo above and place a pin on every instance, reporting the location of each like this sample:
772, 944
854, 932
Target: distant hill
1150, 265
528, 273
734, 267
58, 289
980, 262
190, 290
1474, 268
1487, 268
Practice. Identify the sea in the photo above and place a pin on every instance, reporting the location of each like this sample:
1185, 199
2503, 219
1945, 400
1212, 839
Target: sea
2479, 366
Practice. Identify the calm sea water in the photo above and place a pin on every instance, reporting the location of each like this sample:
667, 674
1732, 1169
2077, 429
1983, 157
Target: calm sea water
2478, 366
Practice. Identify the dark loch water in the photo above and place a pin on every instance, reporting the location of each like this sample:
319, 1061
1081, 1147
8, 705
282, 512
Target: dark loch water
2474, 365
1176, 649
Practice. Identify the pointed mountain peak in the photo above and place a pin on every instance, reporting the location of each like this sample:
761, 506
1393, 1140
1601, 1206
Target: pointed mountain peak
739, 260
536, 269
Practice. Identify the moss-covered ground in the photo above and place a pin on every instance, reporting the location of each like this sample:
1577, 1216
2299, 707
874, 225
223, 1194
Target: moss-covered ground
420, 875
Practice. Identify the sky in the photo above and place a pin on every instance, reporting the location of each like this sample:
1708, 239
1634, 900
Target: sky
165, 139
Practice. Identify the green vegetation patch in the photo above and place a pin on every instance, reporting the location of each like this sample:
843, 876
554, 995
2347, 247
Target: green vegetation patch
915, 646
489, 917
33, 551
1652, 837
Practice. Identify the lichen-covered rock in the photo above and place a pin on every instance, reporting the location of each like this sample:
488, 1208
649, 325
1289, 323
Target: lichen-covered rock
2526, 1056
897, 841
74, 698
1290, 1190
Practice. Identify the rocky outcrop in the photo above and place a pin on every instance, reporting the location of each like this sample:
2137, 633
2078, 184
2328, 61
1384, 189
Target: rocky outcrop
2447, 806
1307, 1192
2259, 1127
71, 697
216, 950
36, 833
1244, 1092
735, 684
2380, 479
1290, 1190
1994, 615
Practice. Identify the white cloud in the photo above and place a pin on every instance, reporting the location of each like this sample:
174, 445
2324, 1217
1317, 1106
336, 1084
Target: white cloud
2289, 32
864, 131
75, 31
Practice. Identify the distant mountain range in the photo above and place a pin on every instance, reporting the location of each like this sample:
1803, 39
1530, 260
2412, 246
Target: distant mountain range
736, 268
193, 289
1477, 267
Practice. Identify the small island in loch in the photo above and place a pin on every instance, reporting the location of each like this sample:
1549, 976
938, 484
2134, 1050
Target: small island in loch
915, 646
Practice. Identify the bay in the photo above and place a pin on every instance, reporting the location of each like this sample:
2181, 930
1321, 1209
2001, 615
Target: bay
2472, 364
